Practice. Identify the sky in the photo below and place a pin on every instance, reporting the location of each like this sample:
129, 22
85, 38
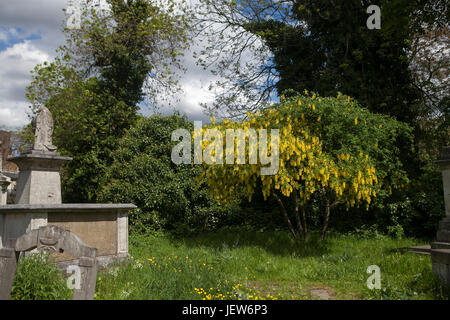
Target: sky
31, 31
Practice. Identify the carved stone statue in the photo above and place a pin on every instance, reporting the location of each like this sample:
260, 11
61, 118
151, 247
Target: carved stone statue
43, 131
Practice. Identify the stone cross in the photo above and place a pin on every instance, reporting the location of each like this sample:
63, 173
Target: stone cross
43, 131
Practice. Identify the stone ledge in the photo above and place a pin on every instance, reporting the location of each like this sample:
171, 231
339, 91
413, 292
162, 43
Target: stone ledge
40, 155
440, 245
73, 207
426, 249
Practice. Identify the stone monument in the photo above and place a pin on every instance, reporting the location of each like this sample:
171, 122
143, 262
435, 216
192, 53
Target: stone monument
39, 179
440, 249
38, 203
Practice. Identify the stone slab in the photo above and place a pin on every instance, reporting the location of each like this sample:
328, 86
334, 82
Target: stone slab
92, 207
97, 230
426, 249
38, 154
440, 245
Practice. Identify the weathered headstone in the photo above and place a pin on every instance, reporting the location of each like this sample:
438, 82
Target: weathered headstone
8, 265
50, 239
440, 249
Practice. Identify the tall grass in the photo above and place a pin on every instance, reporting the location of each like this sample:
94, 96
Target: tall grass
235, 264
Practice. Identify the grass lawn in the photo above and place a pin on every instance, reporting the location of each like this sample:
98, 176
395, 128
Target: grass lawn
268, 265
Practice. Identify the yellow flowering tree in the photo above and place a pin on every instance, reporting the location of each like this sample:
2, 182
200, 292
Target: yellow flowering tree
327, 146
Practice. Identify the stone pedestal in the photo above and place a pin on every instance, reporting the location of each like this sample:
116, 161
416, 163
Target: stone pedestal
39, 180
440, 249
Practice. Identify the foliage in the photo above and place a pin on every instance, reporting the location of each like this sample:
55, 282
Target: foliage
327, 145
167, 194
322, 47
37, 279
94, 85
262, 48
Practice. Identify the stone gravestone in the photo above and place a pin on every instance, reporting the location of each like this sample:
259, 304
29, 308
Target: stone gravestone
50, 239
440, 249
38, 202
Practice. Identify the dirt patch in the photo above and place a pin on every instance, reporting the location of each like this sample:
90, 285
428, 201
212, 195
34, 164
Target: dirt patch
293, 290
264, 287
284, 290
322, 293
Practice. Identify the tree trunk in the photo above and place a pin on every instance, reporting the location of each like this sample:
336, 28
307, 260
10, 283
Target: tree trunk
305, 227
327, 217
283, 210
328, 208
297, 218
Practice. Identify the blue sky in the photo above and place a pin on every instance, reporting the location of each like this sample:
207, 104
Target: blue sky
31, 31
13, 35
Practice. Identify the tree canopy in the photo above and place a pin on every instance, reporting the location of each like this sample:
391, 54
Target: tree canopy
320, 46
329, 146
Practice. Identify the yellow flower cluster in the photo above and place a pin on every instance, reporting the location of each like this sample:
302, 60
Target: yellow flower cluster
237, 292
304, 166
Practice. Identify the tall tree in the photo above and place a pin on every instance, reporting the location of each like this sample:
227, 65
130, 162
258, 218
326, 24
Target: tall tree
323, 46
94, 86
262, 48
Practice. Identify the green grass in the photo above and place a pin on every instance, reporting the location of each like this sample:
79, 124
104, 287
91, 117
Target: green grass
254, 265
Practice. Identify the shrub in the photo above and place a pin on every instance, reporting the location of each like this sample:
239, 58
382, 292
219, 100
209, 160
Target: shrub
331, 147
168, 195
37, 279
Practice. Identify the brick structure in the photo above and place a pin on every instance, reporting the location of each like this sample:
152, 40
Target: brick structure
6, 152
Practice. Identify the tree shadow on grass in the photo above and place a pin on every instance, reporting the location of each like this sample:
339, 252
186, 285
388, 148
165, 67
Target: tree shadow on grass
278, 243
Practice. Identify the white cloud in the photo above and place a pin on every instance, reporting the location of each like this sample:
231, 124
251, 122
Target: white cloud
20, 19
16, 62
